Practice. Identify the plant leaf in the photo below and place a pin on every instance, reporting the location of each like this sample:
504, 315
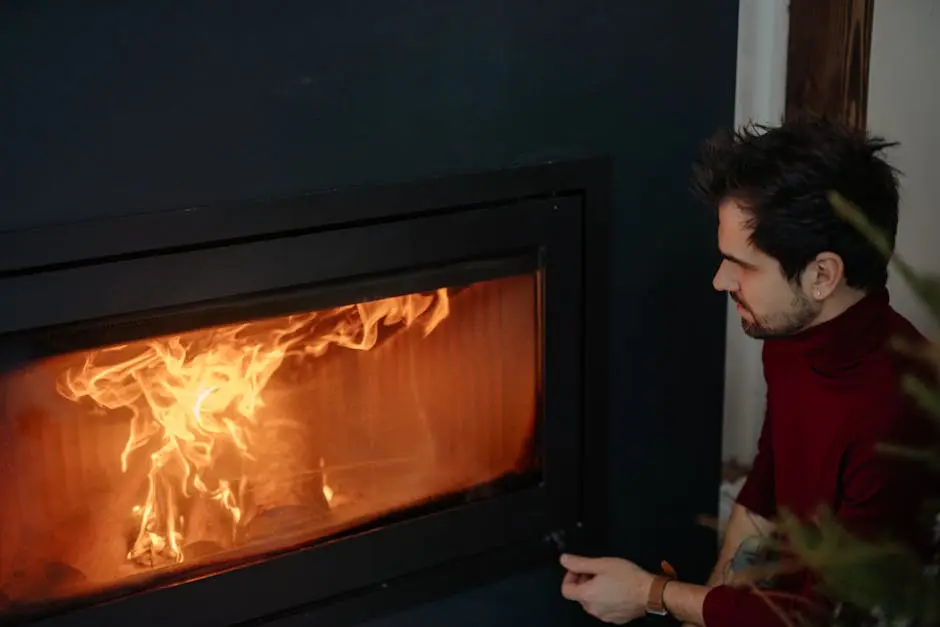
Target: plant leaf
864, 573
926, 396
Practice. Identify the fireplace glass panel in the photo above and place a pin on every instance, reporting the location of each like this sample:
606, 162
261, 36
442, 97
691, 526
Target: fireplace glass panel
160, 459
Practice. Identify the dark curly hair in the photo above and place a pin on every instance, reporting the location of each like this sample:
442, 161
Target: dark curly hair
781, 176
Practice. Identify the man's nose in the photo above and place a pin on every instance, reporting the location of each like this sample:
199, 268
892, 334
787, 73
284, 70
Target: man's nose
722, 280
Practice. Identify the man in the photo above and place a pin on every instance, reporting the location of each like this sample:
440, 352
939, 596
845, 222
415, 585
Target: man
809, 285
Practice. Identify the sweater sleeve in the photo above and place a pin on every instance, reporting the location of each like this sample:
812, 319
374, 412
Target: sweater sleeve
880, 493
758, 494
727, 606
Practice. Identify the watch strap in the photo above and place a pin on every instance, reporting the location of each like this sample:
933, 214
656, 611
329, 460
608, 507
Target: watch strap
654, 603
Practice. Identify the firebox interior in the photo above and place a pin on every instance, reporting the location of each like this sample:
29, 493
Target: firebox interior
128, 463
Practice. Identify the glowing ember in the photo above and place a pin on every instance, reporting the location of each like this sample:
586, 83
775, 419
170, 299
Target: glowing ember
195, 398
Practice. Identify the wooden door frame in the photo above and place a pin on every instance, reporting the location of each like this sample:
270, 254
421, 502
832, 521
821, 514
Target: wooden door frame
828, 54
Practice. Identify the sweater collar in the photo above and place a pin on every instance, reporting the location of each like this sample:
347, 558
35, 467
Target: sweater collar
839, 344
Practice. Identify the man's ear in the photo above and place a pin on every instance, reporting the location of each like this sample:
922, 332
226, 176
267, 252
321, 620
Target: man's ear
823, 275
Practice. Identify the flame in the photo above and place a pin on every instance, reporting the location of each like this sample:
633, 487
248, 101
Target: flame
327, 490
194, 401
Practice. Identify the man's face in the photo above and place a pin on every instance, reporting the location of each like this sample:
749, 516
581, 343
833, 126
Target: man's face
769, 304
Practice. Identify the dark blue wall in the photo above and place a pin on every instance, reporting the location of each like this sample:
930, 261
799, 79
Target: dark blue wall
109, 108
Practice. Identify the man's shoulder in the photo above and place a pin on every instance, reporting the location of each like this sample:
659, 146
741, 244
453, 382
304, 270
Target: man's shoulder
883, 409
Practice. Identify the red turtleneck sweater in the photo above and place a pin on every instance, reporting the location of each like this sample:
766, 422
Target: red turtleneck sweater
833, 393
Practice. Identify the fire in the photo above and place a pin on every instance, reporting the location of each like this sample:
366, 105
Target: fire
194, 402
327, 490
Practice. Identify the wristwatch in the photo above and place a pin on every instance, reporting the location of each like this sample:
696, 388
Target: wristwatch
654, 603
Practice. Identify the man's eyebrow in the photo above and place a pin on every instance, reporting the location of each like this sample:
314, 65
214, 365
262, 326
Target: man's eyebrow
737, 261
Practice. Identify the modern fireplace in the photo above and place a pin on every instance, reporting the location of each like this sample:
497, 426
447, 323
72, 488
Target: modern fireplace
274, 412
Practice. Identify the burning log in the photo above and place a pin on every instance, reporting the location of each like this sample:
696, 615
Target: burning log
201, 549
208, 523
280, 525
285, 484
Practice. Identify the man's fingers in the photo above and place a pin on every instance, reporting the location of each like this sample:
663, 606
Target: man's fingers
582, 565
575, 578
580, 573
572, 588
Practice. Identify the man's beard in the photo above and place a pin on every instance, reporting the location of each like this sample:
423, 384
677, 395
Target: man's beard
802, 312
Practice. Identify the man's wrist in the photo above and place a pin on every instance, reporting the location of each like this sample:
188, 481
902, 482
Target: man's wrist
655, 597
685, 602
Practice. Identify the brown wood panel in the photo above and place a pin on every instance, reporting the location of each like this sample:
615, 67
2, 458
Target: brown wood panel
828, 59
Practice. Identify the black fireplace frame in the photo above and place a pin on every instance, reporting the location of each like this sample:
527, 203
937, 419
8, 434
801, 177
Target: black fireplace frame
82, 284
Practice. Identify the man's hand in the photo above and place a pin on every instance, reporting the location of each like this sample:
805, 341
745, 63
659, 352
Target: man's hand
611, 589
